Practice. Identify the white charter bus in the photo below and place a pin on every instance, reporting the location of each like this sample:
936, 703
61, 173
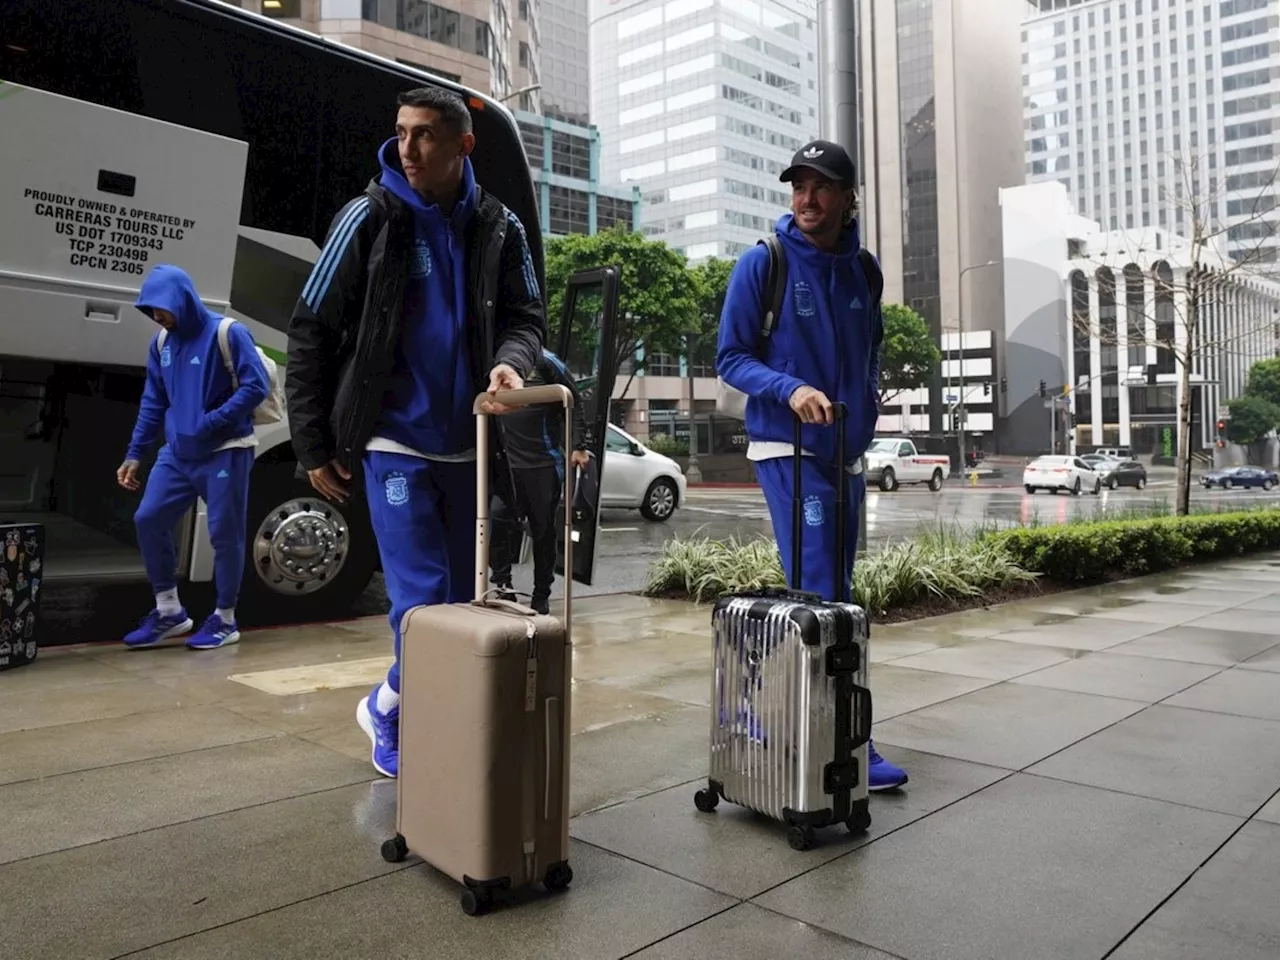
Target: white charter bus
185, 131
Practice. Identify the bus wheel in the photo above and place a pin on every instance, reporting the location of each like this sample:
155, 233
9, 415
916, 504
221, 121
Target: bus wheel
304, 553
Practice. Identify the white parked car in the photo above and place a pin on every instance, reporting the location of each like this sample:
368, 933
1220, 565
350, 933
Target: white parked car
636, 477
1061, 473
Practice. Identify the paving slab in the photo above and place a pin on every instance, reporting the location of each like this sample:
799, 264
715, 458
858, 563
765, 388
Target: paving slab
1267, 604
748, 932
1271, 810
118, 697
1241, 621
1246, 693
900, 689
628, 760
1080, 633
68, 747
1268, 660
1227, 909
58, 813
1213, 761
741, 853
132, 892
1151, 611
1027, 868
1144, 679
988, 659
614, 908
1216, 596
1007, 725
1199, 644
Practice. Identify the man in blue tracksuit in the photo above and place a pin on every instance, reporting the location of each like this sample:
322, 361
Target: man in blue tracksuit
424, 295
208, 452
825, 347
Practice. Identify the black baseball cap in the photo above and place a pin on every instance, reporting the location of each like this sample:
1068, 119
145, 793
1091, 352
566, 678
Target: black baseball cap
827, 158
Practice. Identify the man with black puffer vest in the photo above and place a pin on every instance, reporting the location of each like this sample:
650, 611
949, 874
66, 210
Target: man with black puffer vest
824, 347
424, 296
208, 452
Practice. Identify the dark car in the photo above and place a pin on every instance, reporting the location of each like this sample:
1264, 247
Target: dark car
1241, 477
1121, 473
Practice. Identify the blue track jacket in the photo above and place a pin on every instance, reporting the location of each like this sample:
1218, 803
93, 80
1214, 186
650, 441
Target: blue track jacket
188, 387
827, 336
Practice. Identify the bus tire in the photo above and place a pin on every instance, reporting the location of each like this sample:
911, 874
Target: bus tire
305, 557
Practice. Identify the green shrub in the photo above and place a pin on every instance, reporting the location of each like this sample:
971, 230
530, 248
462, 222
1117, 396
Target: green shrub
1082, 552
667, 445
943, 563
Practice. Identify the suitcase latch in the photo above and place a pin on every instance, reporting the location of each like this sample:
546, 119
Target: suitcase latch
842, 660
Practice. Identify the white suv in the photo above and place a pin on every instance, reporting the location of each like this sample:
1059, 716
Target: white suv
636, 477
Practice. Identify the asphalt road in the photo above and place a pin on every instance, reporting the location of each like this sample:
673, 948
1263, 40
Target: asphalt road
628, 543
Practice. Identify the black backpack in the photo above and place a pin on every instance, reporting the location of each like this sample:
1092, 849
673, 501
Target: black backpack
775, 289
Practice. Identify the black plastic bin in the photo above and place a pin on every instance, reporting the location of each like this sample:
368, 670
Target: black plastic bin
21, 575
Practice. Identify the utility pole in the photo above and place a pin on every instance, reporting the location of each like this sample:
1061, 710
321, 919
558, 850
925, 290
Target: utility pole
960, 362
693, 473
838, 117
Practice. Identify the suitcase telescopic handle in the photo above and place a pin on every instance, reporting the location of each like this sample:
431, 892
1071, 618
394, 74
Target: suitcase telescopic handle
515, 400
839, 412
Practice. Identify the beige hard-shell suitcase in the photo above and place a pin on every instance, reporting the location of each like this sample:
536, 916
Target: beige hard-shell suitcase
483, 785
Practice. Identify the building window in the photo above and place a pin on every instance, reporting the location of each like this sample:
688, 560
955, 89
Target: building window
568, 213
282, 9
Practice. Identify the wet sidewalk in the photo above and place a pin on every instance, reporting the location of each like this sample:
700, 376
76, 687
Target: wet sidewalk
1093, 774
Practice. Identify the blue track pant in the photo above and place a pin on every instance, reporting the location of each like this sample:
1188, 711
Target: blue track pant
817, 521
222, 482
424, 517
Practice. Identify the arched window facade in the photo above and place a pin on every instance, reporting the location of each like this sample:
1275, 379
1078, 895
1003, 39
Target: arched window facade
1166, 321
1136, 316
1108, 379
1080, 330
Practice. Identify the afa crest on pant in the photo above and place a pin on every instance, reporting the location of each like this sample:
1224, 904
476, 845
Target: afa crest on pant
397, 489
813, 513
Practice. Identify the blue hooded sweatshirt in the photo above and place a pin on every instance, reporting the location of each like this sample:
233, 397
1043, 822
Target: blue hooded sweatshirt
826, 336
427, 406
188, 387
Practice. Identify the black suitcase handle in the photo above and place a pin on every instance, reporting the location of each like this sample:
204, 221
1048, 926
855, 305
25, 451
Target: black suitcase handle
838, 412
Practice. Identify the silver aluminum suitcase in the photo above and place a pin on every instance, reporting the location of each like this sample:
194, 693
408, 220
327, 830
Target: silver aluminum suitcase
791, 709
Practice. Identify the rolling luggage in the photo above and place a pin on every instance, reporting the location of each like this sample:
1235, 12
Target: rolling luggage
791, 711
21, 573
483, 785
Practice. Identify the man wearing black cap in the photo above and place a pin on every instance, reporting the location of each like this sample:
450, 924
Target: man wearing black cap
824, 347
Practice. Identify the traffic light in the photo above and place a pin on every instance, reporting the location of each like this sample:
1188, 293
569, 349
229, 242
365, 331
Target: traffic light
1222, 426
1042, 388
1004, 384
986, 389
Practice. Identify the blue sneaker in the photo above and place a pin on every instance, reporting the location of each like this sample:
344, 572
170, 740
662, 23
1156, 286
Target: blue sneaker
155, 627
384, 730
881, 774
214, 633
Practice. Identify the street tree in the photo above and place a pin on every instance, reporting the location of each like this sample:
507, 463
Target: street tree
1264, 380
1218, 248
712, 277
658, 302
1252, 418
908, 355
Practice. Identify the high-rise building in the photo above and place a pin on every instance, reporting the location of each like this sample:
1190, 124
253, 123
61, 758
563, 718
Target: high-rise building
941, 116
1144, 109
566, 63
703, 103
483, 44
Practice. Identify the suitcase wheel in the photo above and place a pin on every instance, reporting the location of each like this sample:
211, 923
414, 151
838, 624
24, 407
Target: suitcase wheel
706, 800
559, 876
859, 821
395, 849
476, 902
800, 838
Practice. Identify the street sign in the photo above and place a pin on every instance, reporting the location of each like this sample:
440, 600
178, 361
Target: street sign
952, 398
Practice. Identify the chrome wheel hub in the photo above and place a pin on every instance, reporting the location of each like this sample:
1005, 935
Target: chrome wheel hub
662, 500
301, 546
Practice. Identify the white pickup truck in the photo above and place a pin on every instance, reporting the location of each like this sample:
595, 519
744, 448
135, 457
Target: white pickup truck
895, 460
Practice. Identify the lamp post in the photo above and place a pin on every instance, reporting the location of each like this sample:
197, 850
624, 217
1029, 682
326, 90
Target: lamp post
515, 93
693, 472
960, 324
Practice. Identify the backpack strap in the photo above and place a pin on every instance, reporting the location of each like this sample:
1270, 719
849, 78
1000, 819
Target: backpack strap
224, 347
774, 286
875, 277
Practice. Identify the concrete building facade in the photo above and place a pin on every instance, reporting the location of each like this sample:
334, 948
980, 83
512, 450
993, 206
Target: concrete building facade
1089, 310
1143, 107
565, 161
702, 103
566, 61
942, 133
474, 42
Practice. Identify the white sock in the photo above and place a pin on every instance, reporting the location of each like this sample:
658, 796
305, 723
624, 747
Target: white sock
227, 615
167, 602
387, 698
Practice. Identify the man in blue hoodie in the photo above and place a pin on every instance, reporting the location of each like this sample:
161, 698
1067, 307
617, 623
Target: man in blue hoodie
208, 452
424, 295
824, 348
